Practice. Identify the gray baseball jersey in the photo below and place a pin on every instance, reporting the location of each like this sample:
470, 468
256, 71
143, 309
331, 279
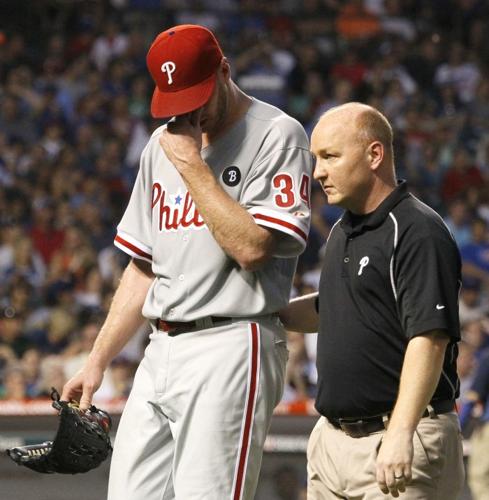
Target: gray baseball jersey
262, 162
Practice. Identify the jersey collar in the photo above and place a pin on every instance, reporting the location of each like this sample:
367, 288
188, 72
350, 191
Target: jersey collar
356, 224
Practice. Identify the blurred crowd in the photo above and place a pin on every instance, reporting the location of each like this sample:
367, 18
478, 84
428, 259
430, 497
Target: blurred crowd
74, 117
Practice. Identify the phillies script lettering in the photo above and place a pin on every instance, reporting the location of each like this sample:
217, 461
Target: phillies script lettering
174, 211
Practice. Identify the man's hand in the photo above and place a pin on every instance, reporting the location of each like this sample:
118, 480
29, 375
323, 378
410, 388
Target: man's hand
182, 139
82, 385
394, 462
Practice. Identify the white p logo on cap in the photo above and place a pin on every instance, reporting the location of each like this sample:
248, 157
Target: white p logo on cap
169, 67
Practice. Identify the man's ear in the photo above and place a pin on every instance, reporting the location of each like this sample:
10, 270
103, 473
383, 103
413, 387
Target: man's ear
225, 69
376, 154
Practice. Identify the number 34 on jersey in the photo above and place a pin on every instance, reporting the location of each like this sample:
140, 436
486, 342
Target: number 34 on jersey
286, 191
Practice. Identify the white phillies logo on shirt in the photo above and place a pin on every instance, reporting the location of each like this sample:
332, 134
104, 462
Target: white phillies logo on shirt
169, 67
363, 262
175, 211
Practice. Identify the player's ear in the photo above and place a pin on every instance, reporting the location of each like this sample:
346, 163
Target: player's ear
375, 153
225, 69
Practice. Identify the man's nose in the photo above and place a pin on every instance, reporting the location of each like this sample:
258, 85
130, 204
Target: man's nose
319, 172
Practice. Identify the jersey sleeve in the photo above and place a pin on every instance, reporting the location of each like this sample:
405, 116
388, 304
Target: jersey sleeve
427, 282
277, 195
134, 230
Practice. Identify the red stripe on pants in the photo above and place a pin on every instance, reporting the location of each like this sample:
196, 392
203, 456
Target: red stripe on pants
249, 413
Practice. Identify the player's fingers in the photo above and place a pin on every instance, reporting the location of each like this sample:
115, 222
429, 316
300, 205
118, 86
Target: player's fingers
400, 481
408, 473
195, 116
86, 399
65, 394
380, 476
391, 483
68, 392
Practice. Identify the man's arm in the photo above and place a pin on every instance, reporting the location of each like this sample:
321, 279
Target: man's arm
123, 320
301, 315
421, 370
231, 225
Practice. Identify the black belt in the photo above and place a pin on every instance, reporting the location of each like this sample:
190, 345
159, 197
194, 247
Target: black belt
361, 427
178, 327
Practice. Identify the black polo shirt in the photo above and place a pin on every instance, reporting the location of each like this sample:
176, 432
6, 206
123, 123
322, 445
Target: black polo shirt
387, 277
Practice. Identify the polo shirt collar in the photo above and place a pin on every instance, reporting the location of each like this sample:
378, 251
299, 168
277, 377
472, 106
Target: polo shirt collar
355, 224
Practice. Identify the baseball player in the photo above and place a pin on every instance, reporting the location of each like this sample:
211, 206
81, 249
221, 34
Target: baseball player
218, 214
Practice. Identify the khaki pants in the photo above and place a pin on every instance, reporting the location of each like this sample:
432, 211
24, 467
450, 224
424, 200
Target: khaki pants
342, 467
478, 469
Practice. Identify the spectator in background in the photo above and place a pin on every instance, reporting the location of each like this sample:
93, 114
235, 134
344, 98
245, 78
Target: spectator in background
475, 254
428, 176
457, 220
16, 123
482, 159
459, 71
9, 235
51, 375
121, 375
11, 332
260, 74
350, 67
16, 52
14, 384
471, 306
7, 358
55, 338
27, 263
47, 239
112, 42
20, 296
422, 62
74, 257
341, 92
356, 22
311, 96
31, 367
90, 292
462, 174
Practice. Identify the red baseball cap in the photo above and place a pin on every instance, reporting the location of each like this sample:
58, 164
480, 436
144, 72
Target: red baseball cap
183, 61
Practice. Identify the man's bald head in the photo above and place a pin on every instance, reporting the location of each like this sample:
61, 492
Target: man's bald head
352, 145
370, 124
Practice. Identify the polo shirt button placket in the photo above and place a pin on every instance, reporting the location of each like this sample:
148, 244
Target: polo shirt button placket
346, 257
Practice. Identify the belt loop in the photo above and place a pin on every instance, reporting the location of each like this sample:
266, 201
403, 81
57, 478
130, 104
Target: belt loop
385, 421
204, 323
431, 411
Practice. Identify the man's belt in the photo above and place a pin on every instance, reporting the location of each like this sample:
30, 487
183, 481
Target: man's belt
178, 327
362, 427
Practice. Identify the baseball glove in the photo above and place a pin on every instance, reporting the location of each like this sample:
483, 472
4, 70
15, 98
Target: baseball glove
81, 443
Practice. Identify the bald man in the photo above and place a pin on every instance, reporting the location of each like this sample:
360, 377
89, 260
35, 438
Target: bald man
387, 317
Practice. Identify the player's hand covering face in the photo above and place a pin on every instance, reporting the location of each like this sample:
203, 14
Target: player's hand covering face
182, 139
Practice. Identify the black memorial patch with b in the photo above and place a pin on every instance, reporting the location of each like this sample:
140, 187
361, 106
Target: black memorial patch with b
231, 176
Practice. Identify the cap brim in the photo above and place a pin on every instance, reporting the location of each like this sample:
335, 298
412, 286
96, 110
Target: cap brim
167, 104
